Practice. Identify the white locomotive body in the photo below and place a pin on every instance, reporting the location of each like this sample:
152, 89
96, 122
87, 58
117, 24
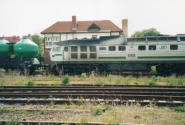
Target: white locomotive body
167, 53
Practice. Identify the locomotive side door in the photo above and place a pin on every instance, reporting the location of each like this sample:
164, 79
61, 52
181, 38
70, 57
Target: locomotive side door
66, 53
132, 52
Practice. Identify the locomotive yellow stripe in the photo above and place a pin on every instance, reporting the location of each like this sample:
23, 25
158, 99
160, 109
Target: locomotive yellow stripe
160, 57
112, 57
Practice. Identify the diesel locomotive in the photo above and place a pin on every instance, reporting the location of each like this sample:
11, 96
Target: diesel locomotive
118, 54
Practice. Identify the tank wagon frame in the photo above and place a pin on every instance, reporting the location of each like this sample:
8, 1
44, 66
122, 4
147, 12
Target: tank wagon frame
109, 54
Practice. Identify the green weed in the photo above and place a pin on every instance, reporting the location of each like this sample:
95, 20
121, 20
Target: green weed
97, 111
30, 83
180, 108
44, 112
83, 76
65, 80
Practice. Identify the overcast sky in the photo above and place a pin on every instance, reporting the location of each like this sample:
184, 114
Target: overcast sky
22, 17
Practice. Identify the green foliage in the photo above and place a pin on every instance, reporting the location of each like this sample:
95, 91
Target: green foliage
180, 108
14, 122
44, 112
65, 80
97, 111
30, 83
39, 40
83, 76
154, 78
181, 82
182, 123
153, 69
6, 111
51, 103
152, 83
146, 32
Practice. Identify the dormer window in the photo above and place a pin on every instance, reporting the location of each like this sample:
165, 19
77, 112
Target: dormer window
93, 28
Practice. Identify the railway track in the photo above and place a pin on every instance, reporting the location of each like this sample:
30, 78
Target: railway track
118, 94
60, 123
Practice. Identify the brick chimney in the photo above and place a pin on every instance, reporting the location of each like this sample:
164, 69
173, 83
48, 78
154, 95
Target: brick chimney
74, 23
125, 27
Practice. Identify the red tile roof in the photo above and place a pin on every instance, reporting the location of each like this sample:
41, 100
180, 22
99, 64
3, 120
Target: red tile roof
66, 26
12, 39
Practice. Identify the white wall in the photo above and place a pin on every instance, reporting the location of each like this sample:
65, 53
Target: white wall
50, 38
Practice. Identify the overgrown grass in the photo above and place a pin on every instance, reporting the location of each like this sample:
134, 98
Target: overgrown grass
108, 114
16, 79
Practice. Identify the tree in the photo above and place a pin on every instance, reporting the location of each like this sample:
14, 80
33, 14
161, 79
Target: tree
146, 32
38, 40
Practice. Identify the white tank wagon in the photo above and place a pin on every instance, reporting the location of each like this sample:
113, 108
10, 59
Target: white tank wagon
109, 54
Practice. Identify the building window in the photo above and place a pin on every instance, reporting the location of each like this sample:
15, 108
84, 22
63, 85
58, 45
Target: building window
92, 48
83, 55
152, 47
141, 48
102, 48
112, 48
173, 47
83, 48
74, 49
46, 44
50, 43
122, 48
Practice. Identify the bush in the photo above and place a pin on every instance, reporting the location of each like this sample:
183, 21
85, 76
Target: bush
43, 112
97, 111
180, 108
30, 83
65, 80
153, 69
151, 83
83, 76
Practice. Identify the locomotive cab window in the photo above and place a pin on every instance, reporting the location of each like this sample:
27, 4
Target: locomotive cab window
74, 55
92, 48
93, 56
74, 49
122, 48
152, 47
141, 48
83, 48
173, 47
83, 55
66, 49
112, 48
56, 49
102, 48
